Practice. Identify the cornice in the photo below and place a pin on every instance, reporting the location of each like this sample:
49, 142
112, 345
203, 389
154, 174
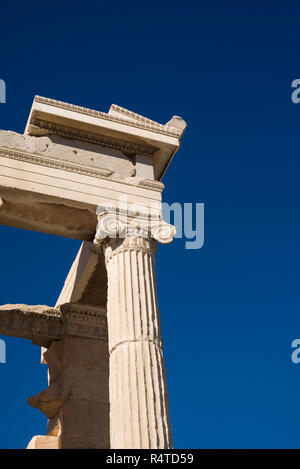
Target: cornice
126, 119
43, 127
151, 184
133, 116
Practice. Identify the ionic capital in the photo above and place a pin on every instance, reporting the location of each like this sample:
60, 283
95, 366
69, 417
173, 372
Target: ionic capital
120, 224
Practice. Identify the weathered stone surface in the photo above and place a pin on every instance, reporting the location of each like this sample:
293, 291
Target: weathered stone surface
86, 281
139, 407
72, 159
70, 162
51, 400
144, 167
43, 442
27, 309
120, 128
39, 323
43, 324
61, 198
87, 420
74, 151
72, 441
76, 401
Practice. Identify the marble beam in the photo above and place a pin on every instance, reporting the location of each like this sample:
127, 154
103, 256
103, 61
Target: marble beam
43, 324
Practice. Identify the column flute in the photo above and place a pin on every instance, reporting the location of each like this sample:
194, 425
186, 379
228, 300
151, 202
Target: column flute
139, 404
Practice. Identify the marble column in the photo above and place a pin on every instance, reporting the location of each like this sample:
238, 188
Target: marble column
139, 407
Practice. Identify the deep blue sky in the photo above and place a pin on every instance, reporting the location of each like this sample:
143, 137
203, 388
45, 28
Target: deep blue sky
231, 309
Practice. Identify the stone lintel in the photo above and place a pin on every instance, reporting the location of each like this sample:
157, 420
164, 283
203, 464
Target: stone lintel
43, 324
44, 193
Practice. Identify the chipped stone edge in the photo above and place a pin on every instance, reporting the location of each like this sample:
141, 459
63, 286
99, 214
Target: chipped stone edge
141, 122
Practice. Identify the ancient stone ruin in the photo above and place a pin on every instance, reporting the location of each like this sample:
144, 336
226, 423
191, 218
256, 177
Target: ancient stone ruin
96, 177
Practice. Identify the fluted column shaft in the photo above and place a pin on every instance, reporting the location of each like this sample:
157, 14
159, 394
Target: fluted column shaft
139, 410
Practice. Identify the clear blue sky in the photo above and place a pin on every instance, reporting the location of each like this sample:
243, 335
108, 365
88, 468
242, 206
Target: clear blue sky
231, 309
